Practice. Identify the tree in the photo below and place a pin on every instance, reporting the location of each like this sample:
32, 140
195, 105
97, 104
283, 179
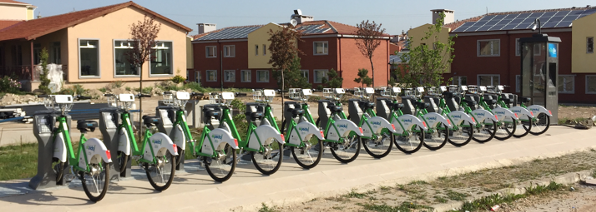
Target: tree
293, 76
333, 80
143, 35
369, 38
424, 65
363, 77
43, 77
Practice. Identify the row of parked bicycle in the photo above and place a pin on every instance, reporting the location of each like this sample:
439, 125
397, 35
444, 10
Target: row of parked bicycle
431, 118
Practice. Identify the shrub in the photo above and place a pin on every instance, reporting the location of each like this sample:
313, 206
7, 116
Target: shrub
178, 79
76, 89
9, 85
117, 84
194, 87
43, 77
103, 90
127, 89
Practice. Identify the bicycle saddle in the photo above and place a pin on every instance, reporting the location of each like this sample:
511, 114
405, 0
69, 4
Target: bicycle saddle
297, 112
253, 115
422, 105
395, 106
526, 99
150, 120
448, 95
210, 113
365, 105
84, 125
334, 108
490, 101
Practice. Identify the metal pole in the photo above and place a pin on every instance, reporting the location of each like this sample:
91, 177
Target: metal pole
140, 68
220, 65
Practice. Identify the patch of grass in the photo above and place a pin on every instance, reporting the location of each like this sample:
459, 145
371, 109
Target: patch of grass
354, 194
266, 208
103, 90
403, 207
440, 199
593, 173
18, 161
418, 182
385, 188
454, 195
338, 207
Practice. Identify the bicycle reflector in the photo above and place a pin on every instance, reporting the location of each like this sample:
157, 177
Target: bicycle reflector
393, 126
109, 155
282, 137
322, 134
361, 132
424, 123
448, 122
175, 149
531, 113
550, 112
497, 118
516, 115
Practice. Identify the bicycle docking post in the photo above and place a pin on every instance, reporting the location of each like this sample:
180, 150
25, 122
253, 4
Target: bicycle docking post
382, 109
109, 120
43, 125
324, 112
167, 115
355, 110
289, 106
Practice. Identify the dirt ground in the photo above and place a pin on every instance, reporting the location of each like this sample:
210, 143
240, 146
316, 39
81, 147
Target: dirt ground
574, 112
582, 199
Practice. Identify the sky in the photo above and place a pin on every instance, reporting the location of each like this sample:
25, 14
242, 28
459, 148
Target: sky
394, 15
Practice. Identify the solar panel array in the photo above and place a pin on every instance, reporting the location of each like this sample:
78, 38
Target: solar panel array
517, 21
312, 29
230, 33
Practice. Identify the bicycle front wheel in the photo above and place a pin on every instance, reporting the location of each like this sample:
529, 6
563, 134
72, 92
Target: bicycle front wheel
506, 129
486, 132
347, 149
437, 139
222, 168
310, 155
161, 174
524, 128
95, 183
462, 136
380, 147
541, 124
268, 163
410, 144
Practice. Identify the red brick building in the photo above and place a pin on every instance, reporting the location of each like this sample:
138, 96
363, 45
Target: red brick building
487, 52
326, 45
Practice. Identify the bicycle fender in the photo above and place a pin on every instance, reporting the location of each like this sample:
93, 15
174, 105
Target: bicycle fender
305, 130
537, 109
267, 134
434, 118
219, 137
482, 114
95, 151
409, 121
458, 117
123, 141
342, 128
161, 144
522, 111
503, 113
179, 137
60, 148
379, 123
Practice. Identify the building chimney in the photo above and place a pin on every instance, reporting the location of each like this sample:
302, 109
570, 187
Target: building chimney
449, 15
206, 27
301, 18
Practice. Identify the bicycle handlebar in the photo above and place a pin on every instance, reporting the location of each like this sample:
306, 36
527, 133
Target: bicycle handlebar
144, 95
196, 94
167, 92
43, 96
83, 97
108, 95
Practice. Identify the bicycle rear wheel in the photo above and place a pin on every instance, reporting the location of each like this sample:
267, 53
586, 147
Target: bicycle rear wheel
541, 124
122, 161
268, 163
506, 129
346, 150
161, 174
524, 128
436, 140
462, 136
95, 183
222, 168
486, 132
380, 147
309, 156
410, 144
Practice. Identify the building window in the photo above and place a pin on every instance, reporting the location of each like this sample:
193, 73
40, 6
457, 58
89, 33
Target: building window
121, 51
211, 75
263, 76
36, 53
89, 58
211, 51
320, 48
55, 54
161, 59
264, 49
229, 75
590, 45
590, 84
1, 55
257, 49
537, 48
197, 76
488, 80
489, 48
518, 83
319, 74
230, 51
566, 84
245, 76
305, 74
460, 80
517, 44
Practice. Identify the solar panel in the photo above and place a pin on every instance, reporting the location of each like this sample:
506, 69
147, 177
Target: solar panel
463, 27
230, 33
564, 24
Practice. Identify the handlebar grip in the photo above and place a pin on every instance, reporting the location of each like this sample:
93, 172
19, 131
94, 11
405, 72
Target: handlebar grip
108, 95
83, 97
144, 95
43, 96
196, 94
167, 92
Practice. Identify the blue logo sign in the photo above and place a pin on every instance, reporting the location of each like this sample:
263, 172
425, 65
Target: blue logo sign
552, 50
407, 120
157, 142
376, 123
534, 109
92, 148
457, 116
516, 111
479, 114
500, 112
432, 118
304, 129
217, 136
342, 126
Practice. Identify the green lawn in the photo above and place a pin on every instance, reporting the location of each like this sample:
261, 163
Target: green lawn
17, 162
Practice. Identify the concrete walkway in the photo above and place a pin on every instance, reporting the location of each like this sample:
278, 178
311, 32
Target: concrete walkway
194, 190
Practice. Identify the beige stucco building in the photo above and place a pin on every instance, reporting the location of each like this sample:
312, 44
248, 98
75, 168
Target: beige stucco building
14, 10
92, 45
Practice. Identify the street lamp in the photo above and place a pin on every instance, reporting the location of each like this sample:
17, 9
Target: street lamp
537, 25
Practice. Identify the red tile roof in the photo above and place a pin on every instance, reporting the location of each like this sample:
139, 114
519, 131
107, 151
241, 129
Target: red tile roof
39, 27
11, 1
7, 23
456, 24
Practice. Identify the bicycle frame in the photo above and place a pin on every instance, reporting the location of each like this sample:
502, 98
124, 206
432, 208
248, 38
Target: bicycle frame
133, 149
77, 160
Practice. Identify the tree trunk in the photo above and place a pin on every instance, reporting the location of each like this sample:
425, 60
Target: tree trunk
372, 67
140, 130
283, 80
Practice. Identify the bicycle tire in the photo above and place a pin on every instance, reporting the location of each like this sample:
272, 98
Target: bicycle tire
526, 125
383, 153
170, 179
106, 178
415, 148
208, 165
58, 168
180, 155
348, 159
491, 134
470, 134
318, 145
547, 124
510, 132
443, 142
277, 164
122, 161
